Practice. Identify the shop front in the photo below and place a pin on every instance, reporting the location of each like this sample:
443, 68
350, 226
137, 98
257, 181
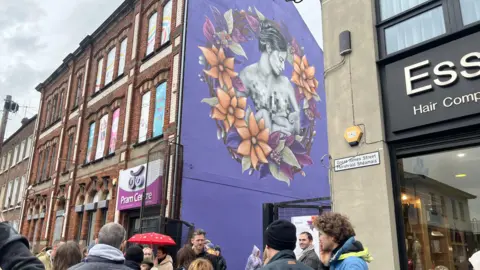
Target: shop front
431, 104
132, 184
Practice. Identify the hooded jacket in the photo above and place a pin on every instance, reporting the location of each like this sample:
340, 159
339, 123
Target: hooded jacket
254, 262
351, 255
103, 257
285, 260
14, 253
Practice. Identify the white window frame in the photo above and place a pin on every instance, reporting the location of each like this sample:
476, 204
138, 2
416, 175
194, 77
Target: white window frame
98, 81
21, 155
29, 147
167, 38
13, 196
15, 155
6, 203
9, 159
122, 57
23, 182
110, 65
151, 34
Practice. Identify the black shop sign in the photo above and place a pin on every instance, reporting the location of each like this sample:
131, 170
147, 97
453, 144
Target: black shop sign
435, 87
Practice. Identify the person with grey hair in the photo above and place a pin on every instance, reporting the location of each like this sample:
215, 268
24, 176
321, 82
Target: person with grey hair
106, 254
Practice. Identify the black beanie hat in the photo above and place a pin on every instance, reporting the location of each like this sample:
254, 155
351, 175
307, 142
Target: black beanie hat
281, 235
135, 254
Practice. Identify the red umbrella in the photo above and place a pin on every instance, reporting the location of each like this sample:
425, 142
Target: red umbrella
152, 239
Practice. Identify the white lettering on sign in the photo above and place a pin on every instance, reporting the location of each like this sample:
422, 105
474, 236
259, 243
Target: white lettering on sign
445, 72
137, 197
447, 103
359, 161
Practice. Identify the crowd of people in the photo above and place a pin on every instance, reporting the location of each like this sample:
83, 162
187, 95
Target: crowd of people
339, 250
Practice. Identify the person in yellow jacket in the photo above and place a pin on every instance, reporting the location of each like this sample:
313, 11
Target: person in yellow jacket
47, 256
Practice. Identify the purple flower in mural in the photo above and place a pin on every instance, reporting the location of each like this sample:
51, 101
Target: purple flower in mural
208, 30
287, 156
253, 23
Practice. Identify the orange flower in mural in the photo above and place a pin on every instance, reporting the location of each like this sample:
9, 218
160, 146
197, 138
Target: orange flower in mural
304, 77
254, 141
230, 109
221, 67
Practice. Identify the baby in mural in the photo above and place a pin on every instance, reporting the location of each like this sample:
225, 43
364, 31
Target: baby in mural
271, 91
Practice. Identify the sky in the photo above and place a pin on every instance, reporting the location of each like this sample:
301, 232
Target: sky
36, 35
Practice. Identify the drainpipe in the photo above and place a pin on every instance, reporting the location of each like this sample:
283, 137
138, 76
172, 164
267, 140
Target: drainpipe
180, 107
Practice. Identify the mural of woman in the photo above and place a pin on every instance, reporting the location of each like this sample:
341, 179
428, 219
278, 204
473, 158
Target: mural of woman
270, 90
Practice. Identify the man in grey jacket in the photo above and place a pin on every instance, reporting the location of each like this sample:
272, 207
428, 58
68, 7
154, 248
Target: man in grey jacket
308, 255
106, 254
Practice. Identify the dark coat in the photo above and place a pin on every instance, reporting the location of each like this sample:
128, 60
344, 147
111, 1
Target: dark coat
133, 265
97, 263
311, 259
102, 257
212, 258
14, 252
285, 260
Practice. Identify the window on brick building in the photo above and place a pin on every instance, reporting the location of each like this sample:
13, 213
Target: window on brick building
53, 115
123, 57
23, 183
29, 147
2, 164
2, 196
39, 165
8, 194
48, 110
45, 163
21, 156
152, 31
15, 156
166, 22
113, 132
159, 115
144, 117
92, 216
60, 105
9, 159
69, 151
53, 159
110, 65
13, 196
57, 231
104, 216
91, 136
98, 81
78, 92
79, 226
102, 137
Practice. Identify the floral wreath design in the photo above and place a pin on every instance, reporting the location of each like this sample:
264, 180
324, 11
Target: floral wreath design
246, 138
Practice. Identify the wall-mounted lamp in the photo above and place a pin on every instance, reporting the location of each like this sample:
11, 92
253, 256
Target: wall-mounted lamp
114, 181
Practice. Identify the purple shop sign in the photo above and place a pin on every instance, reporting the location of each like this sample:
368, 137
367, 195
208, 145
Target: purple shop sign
131, 185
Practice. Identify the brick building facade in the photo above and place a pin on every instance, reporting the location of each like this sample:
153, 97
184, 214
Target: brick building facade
98, 112
14, 168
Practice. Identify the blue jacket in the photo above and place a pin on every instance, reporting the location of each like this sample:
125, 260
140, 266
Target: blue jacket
352, 255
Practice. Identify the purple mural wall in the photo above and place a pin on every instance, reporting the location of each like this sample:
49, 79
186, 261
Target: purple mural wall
253, 121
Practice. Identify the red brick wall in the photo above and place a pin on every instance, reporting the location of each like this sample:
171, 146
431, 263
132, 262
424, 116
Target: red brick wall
148, 80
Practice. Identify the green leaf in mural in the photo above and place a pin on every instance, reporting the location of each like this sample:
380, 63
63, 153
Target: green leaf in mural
237, 49
229, 19
261, 17
281, 145
210, 101
278, 174
289, 158
246, 163
316, 97
298, 138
